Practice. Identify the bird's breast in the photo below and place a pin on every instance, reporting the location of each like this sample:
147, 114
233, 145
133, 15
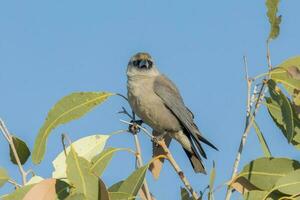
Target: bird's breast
149, 107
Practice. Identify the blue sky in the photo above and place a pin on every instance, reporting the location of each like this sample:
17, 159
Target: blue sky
50, 49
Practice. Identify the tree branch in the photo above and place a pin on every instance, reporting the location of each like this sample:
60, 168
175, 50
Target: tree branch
249, 122
171, 159
9, 139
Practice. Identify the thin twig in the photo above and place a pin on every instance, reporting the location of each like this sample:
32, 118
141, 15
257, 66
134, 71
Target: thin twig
124, 111
244, 138
17, 185
142, 128
269, 55
9, 139
139, 159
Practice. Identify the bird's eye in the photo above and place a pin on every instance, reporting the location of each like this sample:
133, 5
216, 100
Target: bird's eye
150, 62
136, 62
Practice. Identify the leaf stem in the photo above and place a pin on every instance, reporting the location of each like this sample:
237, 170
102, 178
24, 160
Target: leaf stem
9, 139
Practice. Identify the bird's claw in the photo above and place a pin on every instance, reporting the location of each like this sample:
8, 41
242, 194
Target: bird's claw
134, 127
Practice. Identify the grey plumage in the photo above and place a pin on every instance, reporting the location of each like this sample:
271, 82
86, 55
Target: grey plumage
157, 101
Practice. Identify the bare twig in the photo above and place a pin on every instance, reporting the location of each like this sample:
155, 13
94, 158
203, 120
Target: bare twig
249, 122
9, 139
17, 185
124, 111
269, 55
142, 128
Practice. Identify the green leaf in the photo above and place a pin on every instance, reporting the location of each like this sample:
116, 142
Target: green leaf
22, 151
67, 109
274, 20
79, 175
18, 194
285, 107
115, 187
119, 195
62, 189
134, 182
76, 196
276, 114
289, 184
100, 162
288, 74
263, 173
3, 176
256, 195
212, 178
185, 195
262, 140
86, 147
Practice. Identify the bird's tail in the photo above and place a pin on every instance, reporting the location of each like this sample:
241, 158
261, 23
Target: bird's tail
195, 161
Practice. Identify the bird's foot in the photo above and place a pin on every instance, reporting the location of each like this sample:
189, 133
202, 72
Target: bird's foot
134, 127
159, 138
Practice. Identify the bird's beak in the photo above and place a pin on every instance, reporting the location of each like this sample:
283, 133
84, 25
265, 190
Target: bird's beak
144, 64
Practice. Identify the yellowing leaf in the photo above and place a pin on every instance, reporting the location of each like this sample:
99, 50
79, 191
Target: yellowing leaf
100, 162
67, 109
212, 178
119, 196
19, 193
35, 179
287, 73
79, 175
86, 147
3, 177
274, 20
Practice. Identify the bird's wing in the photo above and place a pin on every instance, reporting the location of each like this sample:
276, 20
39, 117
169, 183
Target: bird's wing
171, 97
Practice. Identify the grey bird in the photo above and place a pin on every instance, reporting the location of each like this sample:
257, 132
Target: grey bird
157, 101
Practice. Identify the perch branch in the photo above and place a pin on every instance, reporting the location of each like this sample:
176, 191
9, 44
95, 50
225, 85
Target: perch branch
139, 159
177, 169
9, 139
171, 159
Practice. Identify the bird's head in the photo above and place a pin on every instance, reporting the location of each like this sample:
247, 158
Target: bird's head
142, 64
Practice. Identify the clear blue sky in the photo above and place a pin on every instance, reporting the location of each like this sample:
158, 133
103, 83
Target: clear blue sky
50, 49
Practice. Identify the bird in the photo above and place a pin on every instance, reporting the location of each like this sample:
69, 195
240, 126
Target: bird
156, 100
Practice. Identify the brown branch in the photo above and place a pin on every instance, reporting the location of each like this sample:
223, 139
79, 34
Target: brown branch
9, 139
171, 159
177, 169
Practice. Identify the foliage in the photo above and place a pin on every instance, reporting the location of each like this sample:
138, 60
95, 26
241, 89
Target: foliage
78, 169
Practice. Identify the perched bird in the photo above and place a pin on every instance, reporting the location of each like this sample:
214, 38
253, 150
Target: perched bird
157, 101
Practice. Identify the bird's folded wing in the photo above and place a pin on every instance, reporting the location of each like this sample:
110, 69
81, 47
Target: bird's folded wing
170, 96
